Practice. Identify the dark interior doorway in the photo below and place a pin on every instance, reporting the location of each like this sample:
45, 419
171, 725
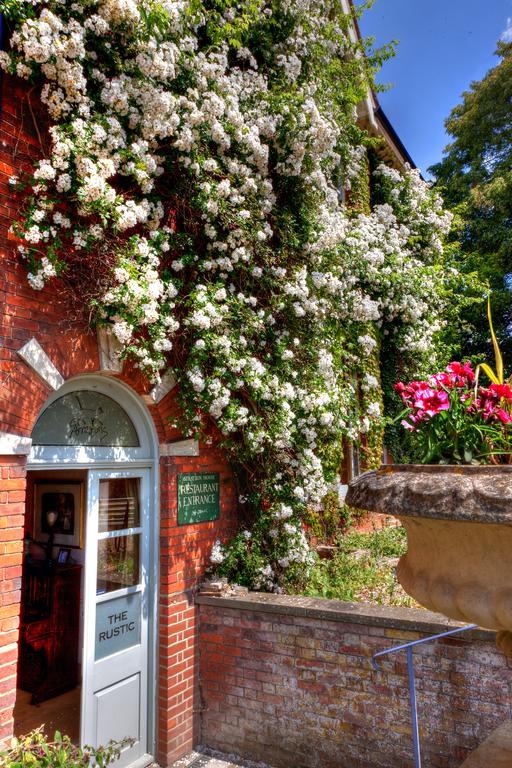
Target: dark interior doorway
51, 624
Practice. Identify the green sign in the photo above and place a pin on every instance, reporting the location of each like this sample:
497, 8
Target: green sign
198, 497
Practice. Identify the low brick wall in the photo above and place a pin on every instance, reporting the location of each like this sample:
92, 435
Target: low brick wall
288, 680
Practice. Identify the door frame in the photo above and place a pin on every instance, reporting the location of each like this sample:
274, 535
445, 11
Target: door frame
57, 458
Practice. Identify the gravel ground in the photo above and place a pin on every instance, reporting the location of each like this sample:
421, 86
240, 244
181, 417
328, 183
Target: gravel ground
210, 759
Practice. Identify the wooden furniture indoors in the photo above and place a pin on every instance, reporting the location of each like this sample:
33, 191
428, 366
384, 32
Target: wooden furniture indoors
50, 617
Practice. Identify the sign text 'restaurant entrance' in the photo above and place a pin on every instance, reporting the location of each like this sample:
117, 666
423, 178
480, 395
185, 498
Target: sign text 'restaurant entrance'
198, 497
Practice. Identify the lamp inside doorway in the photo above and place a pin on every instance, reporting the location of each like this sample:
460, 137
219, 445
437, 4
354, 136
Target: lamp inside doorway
51, 519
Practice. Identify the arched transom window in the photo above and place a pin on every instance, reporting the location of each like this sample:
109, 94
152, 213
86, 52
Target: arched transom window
85, 418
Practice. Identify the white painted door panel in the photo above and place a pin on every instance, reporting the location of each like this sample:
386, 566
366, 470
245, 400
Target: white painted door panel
115, 669
117, 710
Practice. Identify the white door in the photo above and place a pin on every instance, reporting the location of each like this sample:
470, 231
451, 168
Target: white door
115, 668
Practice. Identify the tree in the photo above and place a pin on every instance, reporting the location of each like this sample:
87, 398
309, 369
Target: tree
475, 177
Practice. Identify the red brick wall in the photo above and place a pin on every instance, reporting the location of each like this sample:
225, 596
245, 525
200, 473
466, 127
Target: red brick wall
72, 347
12, 505
288, 681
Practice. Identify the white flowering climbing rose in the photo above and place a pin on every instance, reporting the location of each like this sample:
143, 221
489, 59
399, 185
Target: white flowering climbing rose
195, 156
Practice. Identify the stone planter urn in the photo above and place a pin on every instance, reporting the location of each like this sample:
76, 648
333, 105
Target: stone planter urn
459, 537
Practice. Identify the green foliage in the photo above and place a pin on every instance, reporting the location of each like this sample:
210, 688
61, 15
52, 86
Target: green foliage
359, 193
327, 522
36, 751
400, 445
475, 177
245, 560
371, 449
363, 569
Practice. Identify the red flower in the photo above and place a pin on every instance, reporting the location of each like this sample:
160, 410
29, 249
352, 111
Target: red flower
442, 379
504, 416
503, 391
462, 373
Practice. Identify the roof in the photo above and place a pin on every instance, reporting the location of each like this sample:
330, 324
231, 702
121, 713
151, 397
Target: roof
372, 117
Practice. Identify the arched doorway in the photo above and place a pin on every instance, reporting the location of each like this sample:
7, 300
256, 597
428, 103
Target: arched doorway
91, 557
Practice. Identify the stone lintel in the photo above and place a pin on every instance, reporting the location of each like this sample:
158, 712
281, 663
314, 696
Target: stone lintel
14, 445
167, 383
180, 448
36, 358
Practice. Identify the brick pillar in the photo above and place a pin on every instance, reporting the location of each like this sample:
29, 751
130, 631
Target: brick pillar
177, 698
177, 648
12, 510
184, 557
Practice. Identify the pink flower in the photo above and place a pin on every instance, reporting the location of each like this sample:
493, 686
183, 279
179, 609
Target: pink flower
432, 401
409, 392
458, 375
453, 390
488, 403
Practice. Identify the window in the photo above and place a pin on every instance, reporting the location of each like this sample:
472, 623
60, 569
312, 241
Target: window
85, 418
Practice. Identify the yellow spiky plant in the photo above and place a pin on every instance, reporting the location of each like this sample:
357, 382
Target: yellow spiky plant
497, 376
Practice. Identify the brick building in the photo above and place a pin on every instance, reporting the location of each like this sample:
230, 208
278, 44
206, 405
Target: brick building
55, 373
98, 565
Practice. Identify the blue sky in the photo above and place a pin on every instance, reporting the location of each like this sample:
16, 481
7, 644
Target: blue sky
442, 46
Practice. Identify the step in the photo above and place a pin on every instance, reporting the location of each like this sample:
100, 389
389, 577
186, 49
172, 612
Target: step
495, 751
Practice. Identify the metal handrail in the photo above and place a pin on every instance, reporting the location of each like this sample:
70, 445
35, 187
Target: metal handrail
412, 682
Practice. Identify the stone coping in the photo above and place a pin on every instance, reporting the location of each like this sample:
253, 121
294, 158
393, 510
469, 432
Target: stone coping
390, 617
